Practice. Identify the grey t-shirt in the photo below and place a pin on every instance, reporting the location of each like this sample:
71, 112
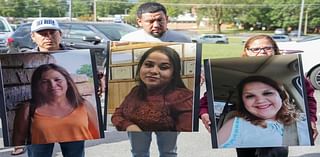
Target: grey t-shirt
143, 36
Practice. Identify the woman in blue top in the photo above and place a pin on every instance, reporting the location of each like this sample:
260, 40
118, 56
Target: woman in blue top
263, 111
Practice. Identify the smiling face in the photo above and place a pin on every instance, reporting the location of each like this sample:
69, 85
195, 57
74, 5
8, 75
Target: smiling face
154, 23
156, 70
53, 84
261, 100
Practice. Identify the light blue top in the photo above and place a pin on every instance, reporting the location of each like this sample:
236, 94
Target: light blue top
245, 134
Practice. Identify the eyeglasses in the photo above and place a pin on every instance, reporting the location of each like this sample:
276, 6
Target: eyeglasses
258, 49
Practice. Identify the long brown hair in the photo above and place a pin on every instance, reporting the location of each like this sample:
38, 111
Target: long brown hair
73, 95
176, 81
256, 37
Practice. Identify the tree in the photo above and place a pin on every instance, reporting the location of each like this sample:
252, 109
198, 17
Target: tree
82, 8
49, 8
85, 69
217, 11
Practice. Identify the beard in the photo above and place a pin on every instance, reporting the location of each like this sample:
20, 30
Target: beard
157, 34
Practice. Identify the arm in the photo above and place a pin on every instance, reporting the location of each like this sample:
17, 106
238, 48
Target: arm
121, 123
181, 109
21, 125
119, 120
312, 104
184, 119
225, 131
93, 121
204, 112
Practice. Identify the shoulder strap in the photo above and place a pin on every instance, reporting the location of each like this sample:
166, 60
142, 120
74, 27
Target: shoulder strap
290, 135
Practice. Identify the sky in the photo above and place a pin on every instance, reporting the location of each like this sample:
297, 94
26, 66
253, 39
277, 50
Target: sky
73, 59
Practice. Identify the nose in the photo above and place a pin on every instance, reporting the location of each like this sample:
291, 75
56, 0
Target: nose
156, 23
52, 84
154, 70
260, 99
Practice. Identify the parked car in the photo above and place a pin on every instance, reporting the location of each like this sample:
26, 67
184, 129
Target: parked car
280, 31
294, 33
5, 32
310, 50
74, 34
280, 38
212, 38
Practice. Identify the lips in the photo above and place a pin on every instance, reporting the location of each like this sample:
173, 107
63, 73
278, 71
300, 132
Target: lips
263, 106
155, 30
152, 78
54, 90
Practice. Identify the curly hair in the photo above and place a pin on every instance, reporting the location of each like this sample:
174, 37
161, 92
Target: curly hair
288, 112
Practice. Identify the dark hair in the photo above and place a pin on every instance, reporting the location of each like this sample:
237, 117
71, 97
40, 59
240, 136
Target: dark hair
176, 81
150, 7
287, 113
73, 95
256, 37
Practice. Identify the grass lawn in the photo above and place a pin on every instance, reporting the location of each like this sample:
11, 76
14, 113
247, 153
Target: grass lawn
233, 49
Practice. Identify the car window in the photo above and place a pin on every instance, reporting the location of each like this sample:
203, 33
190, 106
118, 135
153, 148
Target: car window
65, 29
3, 27
79, 31
206, 36
22, 31
114, 31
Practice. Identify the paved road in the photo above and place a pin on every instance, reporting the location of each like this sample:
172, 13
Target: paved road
196, 144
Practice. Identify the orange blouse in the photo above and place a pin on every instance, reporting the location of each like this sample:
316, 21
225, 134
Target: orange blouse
73, 127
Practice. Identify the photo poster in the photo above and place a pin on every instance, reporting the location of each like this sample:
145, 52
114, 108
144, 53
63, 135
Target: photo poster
222, 78
100, 57
17, 70
158, 113
3, 117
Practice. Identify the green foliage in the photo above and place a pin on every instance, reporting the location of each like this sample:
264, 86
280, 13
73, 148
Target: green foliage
251, 13
85, 69
32, 8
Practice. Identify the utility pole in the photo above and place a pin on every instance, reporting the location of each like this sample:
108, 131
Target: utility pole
94, 10
306, 22
40, 13
70, 10
300, 19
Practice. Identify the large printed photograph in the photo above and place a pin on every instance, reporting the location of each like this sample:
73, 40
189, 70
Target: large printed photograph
50, 98
257, 102
153, 86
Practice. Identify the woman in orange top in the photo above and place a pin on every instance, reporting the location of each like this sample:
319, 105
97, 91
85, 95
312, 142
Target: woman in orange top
59, 113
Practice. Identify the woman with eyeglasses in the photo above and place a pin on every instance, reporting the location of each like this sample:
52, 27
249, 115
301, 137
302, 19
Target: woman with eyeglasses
260, 45
263, 45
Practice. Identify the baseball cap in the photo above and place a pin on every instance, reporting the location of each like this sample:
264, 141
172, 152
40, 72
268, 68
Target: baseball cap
44, 23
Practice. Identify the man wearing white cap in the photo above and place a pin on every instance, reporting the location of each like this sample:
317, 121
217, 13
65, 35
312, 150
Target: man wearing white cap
46, 33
